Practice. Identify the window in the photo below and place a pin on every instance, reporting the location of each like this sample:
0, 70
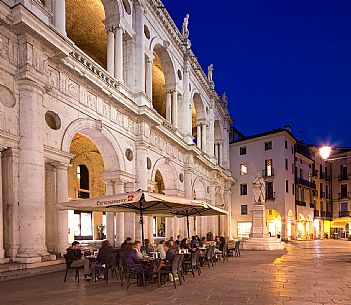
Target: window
268, 168
243, 209
243, 169
83, 180
287, 186
292, 168
343, 190
243, 150
243, 189
286, 164
269, 190
292, 149
286, 144
301, 173
343, 172
293, 189
268, 145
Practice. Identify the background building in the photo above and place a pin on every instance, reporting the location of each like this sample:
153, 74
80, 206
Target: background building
96, 98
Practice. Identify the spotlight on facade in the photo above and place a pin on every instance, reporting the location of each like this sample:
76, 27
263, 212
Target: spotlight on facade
325, 152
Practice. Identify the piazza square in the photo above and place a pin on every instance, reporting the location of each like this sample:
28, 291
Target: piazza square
123, 159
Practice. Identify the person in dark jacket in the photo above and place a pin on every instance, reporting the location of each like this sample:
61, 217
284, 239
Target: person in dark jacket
102, 256
133, 261
74, 259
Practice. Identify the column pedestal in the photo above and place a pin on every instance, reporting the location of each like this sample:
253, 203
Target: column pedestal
260, 239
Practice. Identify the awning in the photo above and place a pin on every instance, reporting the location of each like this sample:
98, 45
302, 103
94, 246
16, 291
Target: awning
341, 224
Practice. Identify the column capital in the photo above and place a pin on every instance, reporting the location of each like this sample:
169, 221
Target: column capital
30, 85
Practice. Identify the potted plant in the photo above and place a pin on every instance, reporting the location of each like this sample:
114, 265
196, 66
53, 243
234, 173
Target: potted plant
101, 229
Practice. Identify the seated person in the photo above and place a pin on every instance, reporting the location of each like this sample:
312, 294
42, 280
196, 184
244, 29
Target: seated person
184, 244
105, 250
126, 242
133, 261
170, 253
137, 247
194, 242
148, 247
74, 259
203, 242
221, 243
178, 240
162, 249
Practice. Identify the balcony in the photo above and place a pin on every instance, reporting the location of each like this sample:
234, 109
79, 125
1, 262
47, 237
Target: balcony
316, 213
323, 213
312, 205
328, 214
322, 194
267, 173
344, 195
324, 176
344, 176
270, 196
315, 173
306, 183
344, 214
300, 203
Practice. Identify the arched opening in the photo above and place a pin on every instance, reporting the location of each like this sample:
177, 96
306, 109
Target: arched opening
274, 223
197, 114
217, 142
163, 80
301, 227
85, 180
84, 25
159, 223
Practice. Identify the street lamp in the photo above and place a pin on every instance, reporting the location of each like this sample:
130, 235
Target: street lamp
325, 152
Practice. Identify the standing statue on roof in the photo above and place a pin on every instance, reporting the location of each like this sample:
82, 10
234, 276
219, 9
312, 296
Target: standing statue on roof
210, 73
185, 31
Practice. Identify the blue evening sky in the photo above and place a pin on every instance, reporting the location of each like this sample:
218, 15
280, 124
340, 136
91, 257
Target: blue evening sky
280, 62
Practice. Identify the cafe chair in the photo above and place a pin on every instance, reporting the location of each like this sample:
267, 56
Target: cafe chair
68, 267
173, 270
237, 249
192, 264
132, 270
111, 264
225, 252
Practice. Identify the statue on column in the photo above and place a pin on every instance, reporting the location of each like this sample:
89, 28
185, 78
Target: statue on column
185, 30
210, 73
259, 189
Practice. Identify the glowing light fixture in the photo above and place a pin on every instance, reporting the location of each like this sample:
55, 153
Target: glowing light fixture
325, 152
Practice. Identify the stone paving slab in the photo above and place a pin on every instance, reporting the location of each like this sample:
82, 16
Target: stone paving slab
311, 272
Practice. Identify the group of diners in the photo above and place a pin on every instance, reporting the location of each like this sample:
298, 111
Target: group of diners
148, 258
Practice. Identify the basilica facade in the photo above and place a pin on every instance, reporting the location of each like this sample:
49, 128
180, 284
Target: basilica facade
99, 97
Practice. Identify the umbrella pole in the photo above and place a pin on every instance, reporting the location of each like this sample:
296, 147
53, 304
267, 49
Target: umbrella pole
141, 221
187, 224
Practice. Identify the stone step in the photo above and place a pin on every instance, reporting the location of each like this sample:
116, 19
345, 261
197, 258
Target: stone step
16, 271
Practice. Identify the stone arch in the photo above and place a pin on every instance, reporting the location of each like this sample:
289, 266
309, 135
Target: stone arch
110, 150
198, 112
163, 77
84, 25
217, 131
168, 173
199, 189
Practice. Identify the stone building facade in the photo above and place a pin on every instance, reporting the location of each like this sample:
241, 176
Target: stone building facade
102, 97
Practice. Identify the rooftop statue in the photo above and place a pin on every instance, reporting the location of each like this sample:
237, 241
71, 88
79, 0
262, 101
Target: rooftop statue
185, 31
259, 189
210, 72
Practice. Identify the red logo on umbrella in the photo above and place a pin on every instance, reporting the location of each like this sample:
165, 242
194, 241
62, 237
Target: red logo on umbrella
130, 197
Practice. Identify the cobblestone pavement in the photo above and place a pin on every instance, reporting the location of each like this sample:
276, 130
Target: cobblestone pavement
309, 272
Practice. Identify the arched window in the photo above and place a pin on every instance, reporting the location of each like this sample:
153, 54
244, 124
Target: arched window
83, 180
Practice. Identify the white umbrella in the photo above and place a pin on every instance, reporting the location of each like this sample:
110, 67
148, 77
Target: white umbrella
143, 202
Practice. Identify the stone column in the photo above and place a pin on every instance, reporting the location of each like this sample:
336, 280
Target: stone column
2, 251
110, 216
168, 107
139, 55
129, 218
199, 137
220, 154
216, 147
204, 137
187, 115
50, 207
10, 201
60, 16
148, 81
31, 175
119, 187
110, 51
175, 108
62, 215
211, 150
119, 54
